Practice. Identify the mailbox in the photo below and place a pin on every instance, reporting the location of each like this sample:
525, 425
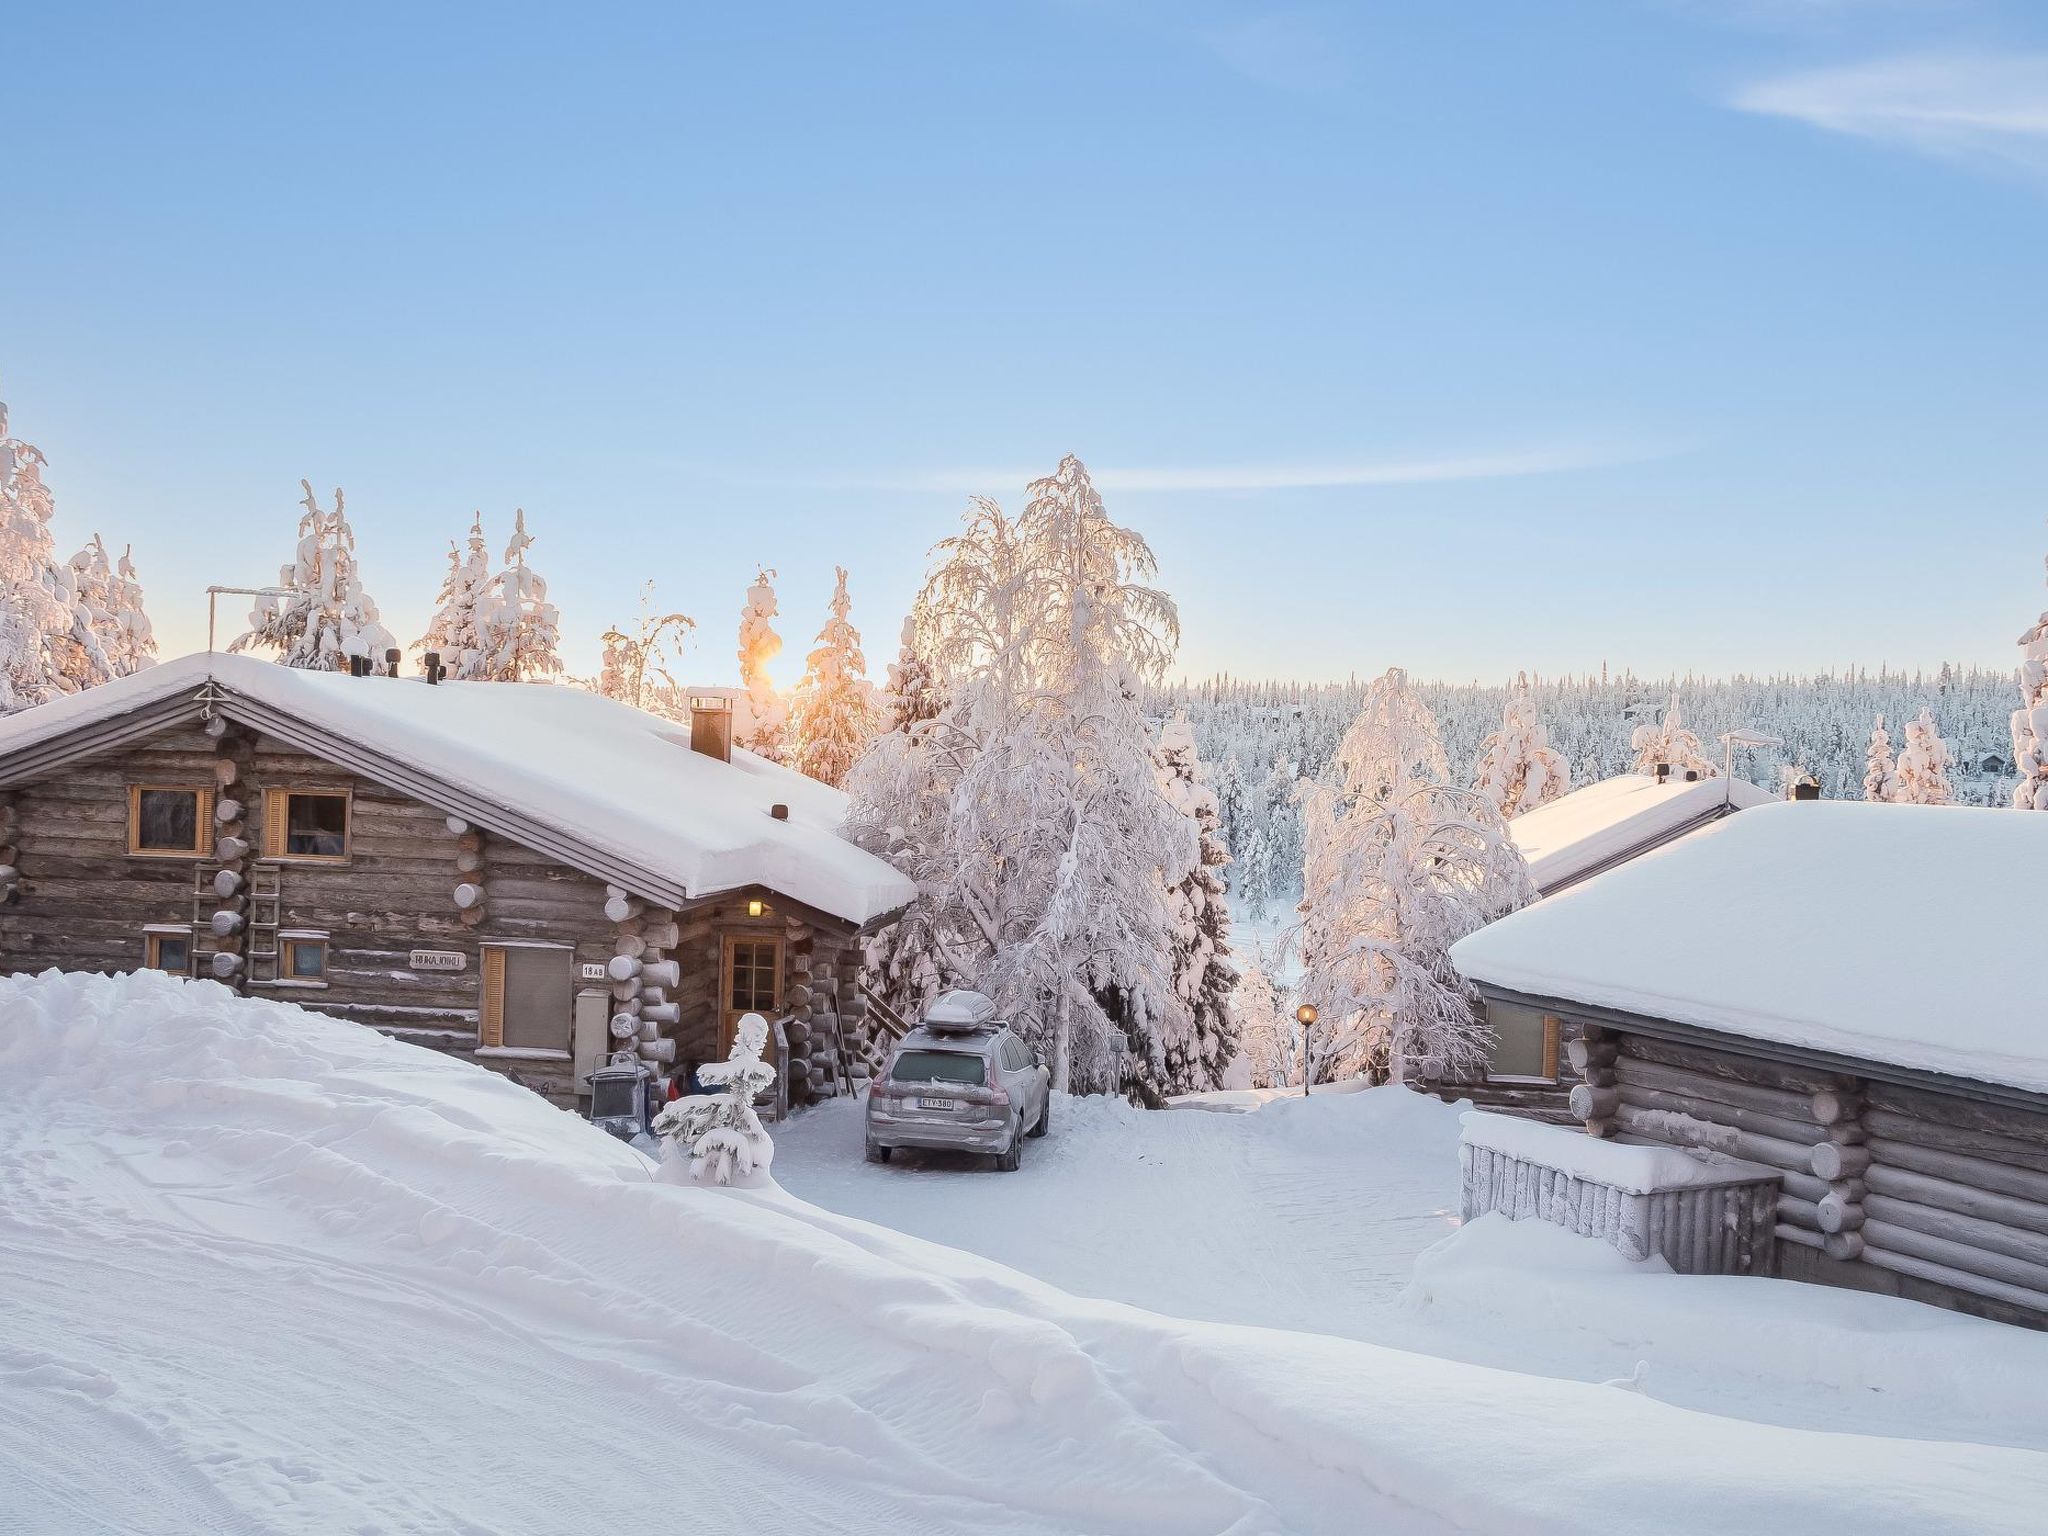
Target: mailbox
618, 1100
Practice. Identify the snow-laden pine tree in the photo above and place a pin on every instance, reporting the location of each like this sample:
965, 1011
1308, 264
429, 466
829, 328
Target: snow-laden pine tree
1923, 765
1880, 770
453, 629
48, 645
1029, 813
2030, 721
914, 694
719, 1134
636, 665
324, 616
1203, 974
832, 713
759, 719
1401, 865
517, 629
112, 598
1668, 741
1265, 1015
1518, 768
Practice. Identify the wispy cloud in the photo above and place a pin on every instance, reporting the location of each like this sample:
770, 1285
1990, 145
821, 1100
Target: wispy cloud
1989, 108
1307, 475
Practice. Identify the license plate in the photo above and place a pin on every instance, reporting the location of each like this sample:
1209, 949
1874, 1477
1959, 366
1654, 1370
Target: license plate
935, 1103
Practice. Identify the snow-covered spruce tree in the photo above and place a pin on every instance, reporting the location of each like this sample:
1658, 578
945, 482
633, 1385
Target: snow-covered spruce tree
112, 599
1265, 1016
48, 645
636, 666
914, 694
831, 714
1923, 765
1880, 770
325, 616
1518, 768
1668, 741
453, 629
1029, 813
1401, 865
1203, 974
2030, 721
761, 713
517, 628
718, 1137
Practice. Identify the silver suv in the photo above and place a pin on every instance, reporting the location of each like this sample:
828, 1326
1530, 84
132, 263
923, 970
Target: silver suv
960, 1081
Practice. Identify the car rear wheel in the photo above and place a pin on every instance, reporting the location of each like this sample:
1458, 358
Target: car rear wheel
1044, 1118
1011, 1156
878, 1154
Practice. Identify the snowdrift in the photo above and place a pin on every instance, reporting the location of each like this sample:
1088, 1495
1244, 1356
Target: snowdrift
265, 1271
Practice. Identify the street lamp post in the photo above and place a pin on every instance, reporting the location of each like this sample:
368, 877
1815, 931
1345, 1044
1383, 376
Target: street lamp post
1305, 1016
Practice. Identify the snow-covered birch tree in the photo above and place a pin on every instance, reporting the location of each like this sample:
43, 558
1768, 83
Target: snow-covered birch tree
1518, 768
1401, 865
48, 645
762, 712
1668, 741
1203, 974
324, 616
831, 713
2030, 721
517, 628
1880, 767
636, 665
453, 630
1923, 765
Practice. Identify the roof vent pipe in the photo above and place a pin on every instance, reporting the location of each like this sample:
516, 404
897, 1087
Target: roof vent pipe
430, 664
779, 812
1692, 775
392, 660
1806, 789
1663, 772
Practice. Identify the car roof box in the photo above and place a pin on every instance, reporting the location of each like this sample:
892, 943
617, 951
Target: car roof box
960, 1012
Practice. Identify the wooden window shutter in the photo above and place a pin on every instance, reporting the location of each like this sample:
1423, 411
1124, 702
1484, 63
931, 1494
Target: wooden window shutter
490, 1023
273, 823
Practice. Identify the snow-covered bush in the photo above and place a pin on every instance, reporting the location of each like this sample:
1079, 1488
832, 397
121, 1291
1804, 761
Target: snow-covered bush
517, 628
453, 630
2030, 721
832, 713
1880, 768
324, 616
1668, 741
1518, 768
717, 1137
1401, 865
1923, 765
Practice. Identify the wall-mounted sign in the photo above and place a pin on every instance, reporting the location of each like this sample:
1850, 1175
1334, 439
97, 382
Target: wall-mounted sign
439, 960
595, 972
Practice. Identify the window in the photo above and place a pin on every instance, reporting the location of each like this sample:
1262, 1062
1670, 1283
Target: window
527, 1003
302, 960
168, 952
168, 821
938, 1067
1525, 1044
305, 824
751, 975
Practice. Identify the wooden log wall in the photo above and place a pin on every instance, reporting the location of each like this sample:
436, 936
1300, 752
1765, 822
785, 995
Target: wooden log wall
1927, 1194
226, 942
10, 852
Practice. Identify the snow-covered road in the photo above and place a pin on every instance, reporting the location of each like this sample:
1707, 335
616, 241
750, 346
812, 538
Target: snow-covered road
262, 1271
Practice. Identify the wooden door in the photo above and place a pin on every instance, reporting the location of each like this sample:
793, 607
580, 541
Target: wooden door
751, 983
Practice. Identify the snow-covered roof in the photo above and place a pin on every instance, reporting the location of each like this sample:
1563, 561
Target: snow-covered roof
1900, 934
520, 758
1587, 830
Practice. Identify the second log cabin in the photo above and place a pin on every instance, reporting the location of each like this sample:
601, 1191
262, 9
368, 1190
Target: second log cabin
528, 875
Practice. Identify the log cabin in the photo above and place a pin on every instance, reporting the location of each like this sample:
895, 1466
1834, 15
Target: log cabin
1849, 995
527, 875
1570, 840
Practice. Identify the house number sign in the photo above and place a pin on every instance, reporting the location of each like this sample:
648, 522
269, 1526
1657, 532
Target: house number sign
439, 960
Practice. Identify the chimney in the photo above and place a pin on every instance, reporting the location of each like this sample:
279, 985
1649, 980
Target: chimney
430, 664
1806, 789
1663, 772
358, 666
392, 659
711, 726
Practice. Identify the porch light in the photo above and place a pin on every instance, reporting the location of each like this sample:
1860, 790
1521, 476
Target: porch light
756, 906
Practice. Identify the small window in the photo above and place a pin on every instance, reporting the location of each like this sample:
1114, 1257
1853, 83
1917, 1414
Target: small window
938, 1067
303, 960
167, 821
168, 952
755, 964
305, 824
528, 1002
1525, 1044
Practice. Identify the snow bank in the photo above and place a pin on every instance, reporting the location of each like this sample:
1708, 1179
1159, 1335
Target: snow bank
1634, 1170
621, 779
1790, 923
265, 1271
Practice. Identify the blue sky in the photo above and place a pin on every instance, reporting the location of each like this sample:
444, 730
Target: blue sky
1675, 334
